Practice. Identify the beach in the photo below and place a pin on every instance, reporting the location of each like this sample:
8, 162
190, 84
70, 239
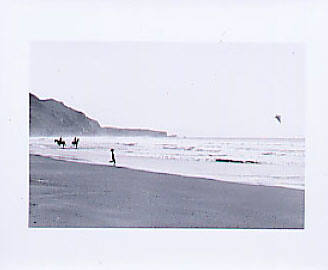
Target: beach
268, 162
65, 194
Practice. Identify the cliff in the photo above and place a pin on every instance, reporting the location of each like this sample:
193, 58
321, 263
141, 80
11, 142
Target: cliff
52, 118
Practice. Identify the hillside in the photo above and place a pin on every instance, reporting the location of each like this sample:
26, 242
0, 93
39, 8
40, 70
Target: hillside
52, 118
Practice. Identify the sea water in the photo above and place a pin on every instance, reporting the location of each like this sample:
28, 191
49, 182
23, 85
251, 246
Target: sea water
280, 162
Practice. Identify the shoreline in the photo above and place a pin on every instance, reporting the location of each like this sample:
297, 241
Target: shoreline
70, 194
293, 187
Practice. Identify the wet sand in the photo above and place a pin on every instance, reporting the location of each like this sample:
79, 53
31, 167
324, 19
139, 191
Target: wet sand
73, 195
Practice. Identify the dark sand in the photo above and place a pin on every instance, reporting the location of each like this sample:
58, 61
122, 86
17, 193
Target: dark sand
70, 195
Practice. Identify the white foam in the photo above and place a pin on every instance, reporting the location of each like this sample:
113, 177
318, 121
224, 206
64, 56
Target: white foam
183, 156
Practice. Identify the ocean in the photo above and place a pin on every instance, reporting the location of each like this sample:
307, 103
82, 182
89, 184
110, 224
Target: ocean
279, 162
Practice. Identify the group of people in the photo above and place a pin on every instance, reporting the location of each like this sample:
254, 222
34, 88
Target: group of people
75, 142
61, 142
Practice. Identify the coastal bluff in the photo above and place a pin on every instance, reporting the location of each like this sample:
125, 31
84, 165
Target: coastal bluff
50, 117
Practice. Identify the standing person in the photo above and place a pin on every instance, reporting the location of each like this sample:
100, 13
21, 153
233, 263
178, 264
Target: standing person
113, 157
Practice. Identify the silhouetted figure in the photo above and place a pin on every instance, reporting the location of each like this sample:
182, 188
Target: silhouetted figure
60, 142
75, 142
113, 158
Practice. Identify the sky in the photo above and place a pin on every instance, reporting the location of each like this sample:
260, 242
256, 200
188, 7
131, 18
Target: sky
214, 89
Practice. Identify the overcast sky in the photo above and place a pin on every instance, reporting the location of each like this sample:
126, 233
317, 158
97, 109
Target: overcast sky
193, 89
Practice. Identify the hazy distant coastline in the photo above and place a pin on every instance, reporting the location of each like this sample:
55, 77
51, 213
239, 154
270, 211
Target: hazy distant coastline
50, 117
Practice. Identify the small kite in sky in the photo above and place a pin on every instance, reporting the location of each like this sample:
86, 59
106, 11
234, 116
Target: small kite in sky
278, 117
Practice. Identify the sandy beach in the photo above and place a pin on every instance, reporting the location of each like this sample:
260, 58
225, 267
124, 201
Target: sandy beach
73, 195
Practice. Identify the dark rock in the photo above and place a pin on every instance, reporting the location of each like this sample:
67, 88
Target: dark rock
235, 161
